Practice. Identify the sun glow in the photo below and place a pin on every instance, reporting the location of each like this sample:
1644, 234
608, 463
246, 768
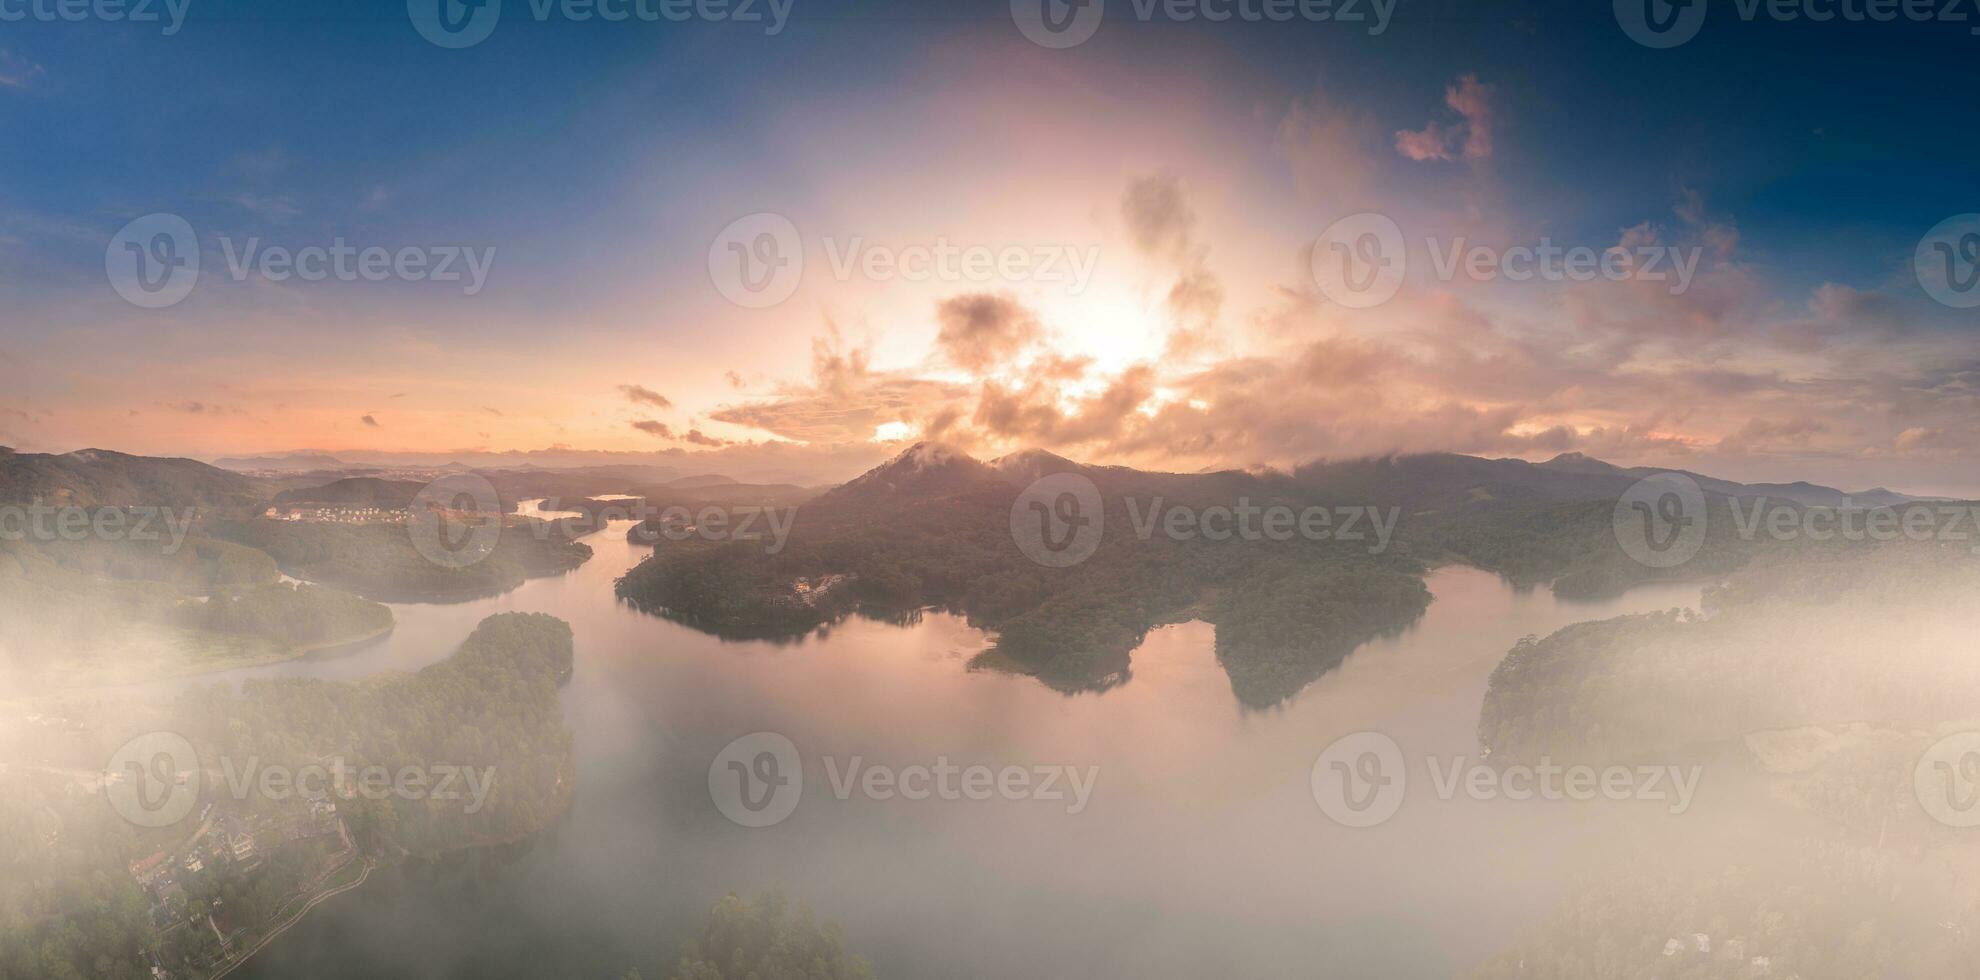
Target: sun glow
892, 431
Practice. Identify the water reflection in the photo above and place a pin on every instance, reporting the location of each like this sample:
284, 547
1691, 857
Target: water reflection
1202, 852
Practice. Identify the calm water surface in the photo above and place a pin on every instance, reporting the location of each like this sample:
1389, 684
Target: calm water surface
1201, 853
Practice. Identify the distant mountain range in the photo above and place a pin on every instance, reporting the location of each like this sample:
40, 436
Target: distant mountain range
1441, 481
1419, 483
282, 463
768, 462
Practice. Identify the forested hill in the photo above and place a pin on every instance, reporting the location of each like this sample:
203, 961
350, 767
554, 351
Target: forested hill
100, 478
934, 527
357, 491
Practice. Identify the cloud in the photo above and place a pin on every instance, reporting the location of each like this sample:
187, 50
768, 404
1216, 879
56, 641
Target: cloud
370, 422
269, 207
653, 428
845, 399
981, 330
1470, 136
695, 437
645, 396
1336, 155
1158, 216
1163, 228
17, 72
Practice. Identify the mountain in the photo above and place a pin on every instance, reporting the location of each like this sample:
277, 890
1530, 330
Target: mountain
281, 463
923, 471
1447, 481
934, 527
698, 482
99, 477
360, 491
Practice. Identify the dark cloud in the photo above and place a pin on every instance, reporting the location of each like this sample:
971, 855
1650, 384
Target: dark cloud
369, 421
1158, 215
982, 330
653, 428
639, 395
1470, 137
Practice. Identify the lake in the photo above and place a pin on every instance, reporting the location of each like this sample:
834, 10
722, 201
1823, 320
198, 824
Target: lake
1202, 852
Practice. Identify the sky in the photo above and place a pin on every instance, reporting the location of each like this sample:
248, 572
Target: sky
828, 230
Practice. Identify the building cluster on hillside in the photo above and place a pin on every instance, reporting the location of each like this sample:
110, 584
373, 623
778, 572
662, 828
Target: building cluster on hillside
227, 844
337, 515
810, 591
1731, 953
